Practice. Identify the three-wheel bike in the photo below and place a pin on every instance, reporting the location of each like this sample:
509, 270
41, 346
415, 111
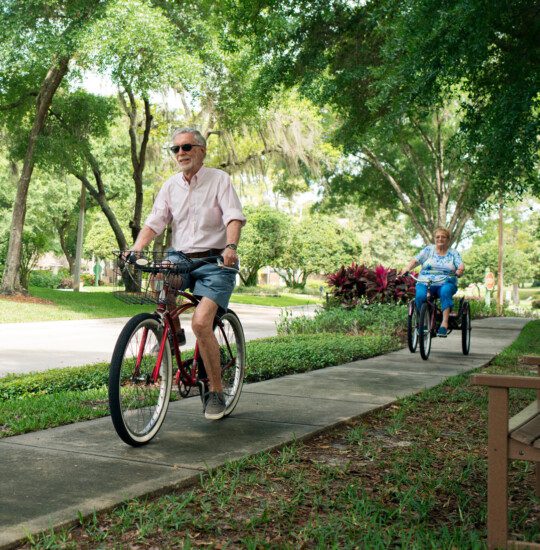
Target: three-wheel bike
423, 325
141, 371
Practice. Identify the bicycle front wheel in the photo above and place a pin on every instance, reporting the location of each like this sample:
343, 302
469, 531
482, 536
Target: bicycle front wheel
139, 386
424, 331
232, 350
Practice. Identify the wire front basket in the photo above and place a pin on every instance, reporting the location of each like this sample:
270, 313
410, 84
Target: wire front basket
135, 286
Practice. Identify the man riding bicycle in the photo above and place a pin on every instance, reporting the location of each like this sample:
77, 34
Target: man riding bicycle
207, 218
438, 261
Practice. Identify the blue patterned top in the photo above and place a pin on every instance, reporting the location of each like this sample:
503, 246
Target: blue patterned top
435, 266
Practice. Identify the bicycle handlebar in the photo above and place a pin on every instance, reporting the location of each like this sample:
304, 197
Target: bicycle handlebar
441, 277
164, 265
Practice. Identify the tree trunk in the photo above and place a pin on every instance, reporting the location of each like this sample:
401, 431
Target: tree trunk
11, 282
138, 154
159, 245
435, 190
80, 237
515, 293
101, 199
250, 279
61, 229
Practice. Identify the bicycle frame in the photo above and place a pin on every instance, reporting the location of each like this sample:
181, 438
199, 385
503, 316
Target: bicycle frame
435, 310
189, 377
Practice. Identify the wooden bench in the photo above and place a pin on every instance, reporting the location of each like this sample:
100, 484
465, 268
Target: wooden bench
514, 439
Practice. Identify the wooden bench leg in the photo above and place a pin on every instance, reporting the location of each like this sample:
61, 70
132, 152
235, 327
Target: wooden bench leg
497, 520
537, 485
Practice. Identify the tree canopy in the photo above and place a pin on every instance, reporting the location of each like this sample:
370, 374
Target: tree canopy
418, 112
390, 70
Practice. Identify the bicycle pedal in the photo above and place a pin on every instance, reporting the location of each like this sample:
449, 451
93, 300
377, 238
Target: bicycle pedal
203, 392
181, 336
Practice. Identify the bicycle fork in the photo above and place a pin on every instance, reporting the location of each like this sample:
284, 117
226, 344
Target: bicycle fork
140, 355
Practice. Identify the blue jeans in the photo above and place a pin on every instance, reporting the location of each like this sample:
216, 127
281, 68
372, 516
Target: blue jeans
444, 292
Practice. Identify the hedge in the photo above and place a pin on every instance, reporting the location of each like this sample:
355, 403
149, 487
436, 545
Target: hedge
43, 278
375, 318
267, 358
54, 380
282, 355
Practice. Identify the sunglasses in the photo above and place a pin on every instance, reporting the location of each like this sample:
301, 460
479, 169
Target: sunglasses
186, 147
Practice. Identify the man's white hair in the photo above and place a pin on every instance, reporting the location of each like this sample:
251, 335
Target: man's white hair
199, 138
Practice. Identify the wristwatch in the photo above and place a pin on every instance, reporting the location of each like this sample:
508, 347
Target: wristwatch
232, 246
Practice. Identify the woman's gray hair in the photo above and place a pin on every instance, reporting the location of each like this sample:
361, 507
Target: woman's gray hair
441, 229
199, 138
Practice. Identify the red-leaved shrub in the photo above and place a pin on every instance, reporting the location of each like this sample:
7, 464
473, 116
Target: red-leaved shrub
348, 284
355, 283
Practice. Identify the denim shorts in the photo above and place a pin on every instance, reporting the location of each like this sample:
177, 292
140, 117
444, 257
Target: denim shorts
210, 280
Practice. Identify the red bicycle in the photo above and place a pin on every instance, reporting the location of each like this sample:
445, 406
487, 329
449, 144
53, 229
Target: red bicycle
141, 370
423, 325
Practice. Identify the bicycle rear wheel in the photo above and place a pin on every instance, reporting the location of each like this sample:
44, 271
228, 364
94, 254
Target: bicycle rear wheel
138, 402
232, 350
424, 331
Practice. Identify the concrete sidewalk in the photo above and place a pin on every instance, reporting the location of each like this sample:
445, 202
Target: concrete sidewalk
49, 477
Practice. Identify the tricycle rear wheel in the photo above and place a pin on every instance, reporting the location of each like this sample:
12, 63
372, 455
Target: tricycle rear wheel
466, 329
412, 328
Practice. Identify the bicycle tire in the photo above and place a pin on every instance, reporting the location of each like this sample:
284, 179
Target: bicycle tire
137, 405
424, 331
466, 329
412, 329
232, 351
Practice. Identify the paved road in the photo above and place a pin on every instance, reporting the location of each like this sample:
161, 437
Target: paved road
47, 478
27, 347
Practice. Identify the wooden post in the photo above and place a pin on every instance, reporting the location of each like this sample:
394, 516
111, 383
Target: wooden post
497, 519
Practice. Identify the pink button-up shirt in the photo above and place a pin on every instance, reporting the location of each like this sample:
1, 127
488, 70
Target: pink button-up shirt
199, 211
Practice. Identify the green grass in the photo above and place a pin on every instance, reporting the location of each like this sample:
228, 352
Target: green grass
525, 293
528, 343
67, 305
412, 475
284, 300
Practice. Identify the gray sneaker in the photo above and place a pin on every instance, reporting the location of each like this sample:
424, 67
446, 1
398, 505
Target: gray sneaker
215, 406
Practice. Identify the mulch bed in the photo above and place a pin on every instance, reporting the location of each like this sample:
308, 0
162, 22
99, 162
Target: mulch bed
25, 299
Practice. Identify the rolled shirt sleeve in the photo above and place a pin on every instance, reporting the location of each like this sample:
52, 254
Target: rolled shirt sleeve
229, 203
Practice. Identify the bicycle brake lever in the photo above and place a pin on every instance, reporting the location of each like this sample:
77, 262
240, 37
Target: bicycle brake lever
220, 263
